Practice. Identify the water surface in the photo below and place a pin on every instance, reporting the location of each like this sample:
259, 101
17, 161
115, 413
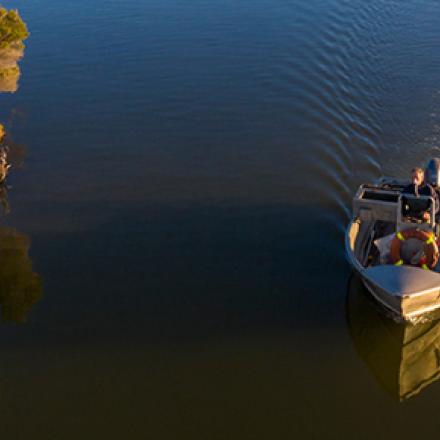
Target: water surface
188, 175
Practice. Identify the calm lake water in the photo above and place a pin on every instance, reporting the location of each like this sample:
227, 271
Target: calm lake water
188, 176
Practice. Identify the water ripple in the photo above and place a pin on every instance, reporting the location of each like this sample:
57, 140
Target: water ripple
327, 74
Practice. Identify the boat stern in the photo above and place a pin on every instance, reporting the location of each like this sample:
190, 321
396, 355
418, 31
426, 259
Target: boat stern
406, 290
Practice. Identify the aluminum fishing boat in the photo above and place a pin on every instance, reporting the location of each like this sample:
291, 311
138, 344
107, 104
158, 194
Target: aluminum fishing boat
393, 248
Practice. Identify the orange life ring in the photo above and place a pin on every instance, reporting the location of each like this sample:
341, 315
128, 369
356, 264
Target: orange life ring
431, 253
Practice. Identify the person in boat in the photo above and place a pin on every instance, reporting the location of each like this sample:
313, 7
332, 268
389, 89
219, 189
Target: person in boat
418, 187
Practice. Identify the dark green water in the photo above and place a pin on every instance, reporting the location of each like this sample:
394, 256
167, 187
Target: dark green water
176, 227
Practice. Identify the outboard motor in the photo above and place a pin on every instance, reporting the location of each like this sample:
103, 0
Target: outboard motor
432, 173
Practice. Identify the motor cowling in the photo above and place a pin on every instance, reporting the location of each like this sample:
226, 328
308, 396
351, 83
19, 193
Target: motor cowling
432, 172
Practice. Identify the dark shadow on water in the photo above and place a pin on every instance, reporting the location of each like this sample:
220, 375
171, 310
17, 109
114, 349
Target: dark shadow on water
201, 272
404, 358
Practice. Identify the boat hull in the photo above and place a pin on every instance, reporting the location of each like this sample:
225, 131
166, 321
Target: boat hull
407, 291
404, 308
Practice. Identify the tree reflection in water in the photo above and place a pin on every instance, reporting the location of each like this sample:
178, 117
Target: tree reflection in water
20, 286
404, 358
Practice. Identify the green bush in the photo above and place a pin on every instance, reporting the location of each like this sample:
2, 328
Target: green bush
13, 30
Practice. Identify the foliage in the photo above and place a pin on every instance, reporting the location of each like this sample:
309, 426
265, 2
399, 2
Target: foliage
13, 30
9, 72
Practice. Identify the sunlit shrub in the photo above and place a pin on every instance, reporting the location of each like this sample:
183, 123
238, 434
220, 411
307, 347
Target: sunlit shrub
13, 30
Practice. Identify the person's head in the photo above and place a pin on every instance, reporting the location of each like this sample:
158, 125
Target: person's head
417, 176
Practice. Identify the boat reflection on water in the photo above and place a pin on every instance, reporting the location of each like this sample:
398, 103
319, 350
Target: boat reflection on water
404, 358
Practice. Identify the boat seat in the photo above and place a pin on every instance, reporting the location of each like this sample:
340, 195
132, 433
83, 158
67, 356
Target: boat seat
414, 208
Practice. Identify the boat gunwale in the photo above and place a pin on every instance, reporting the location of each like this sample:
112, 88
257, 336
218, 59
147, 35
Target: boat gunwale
369, 284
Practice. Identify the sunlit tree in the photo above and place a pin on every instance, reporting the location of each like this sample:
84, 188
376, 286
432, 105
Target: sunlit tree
13, 30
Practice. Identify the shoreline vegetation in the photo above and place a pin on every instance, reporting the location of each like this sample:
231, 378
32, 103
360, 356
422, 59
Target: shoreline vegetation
13, 31
20, 286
